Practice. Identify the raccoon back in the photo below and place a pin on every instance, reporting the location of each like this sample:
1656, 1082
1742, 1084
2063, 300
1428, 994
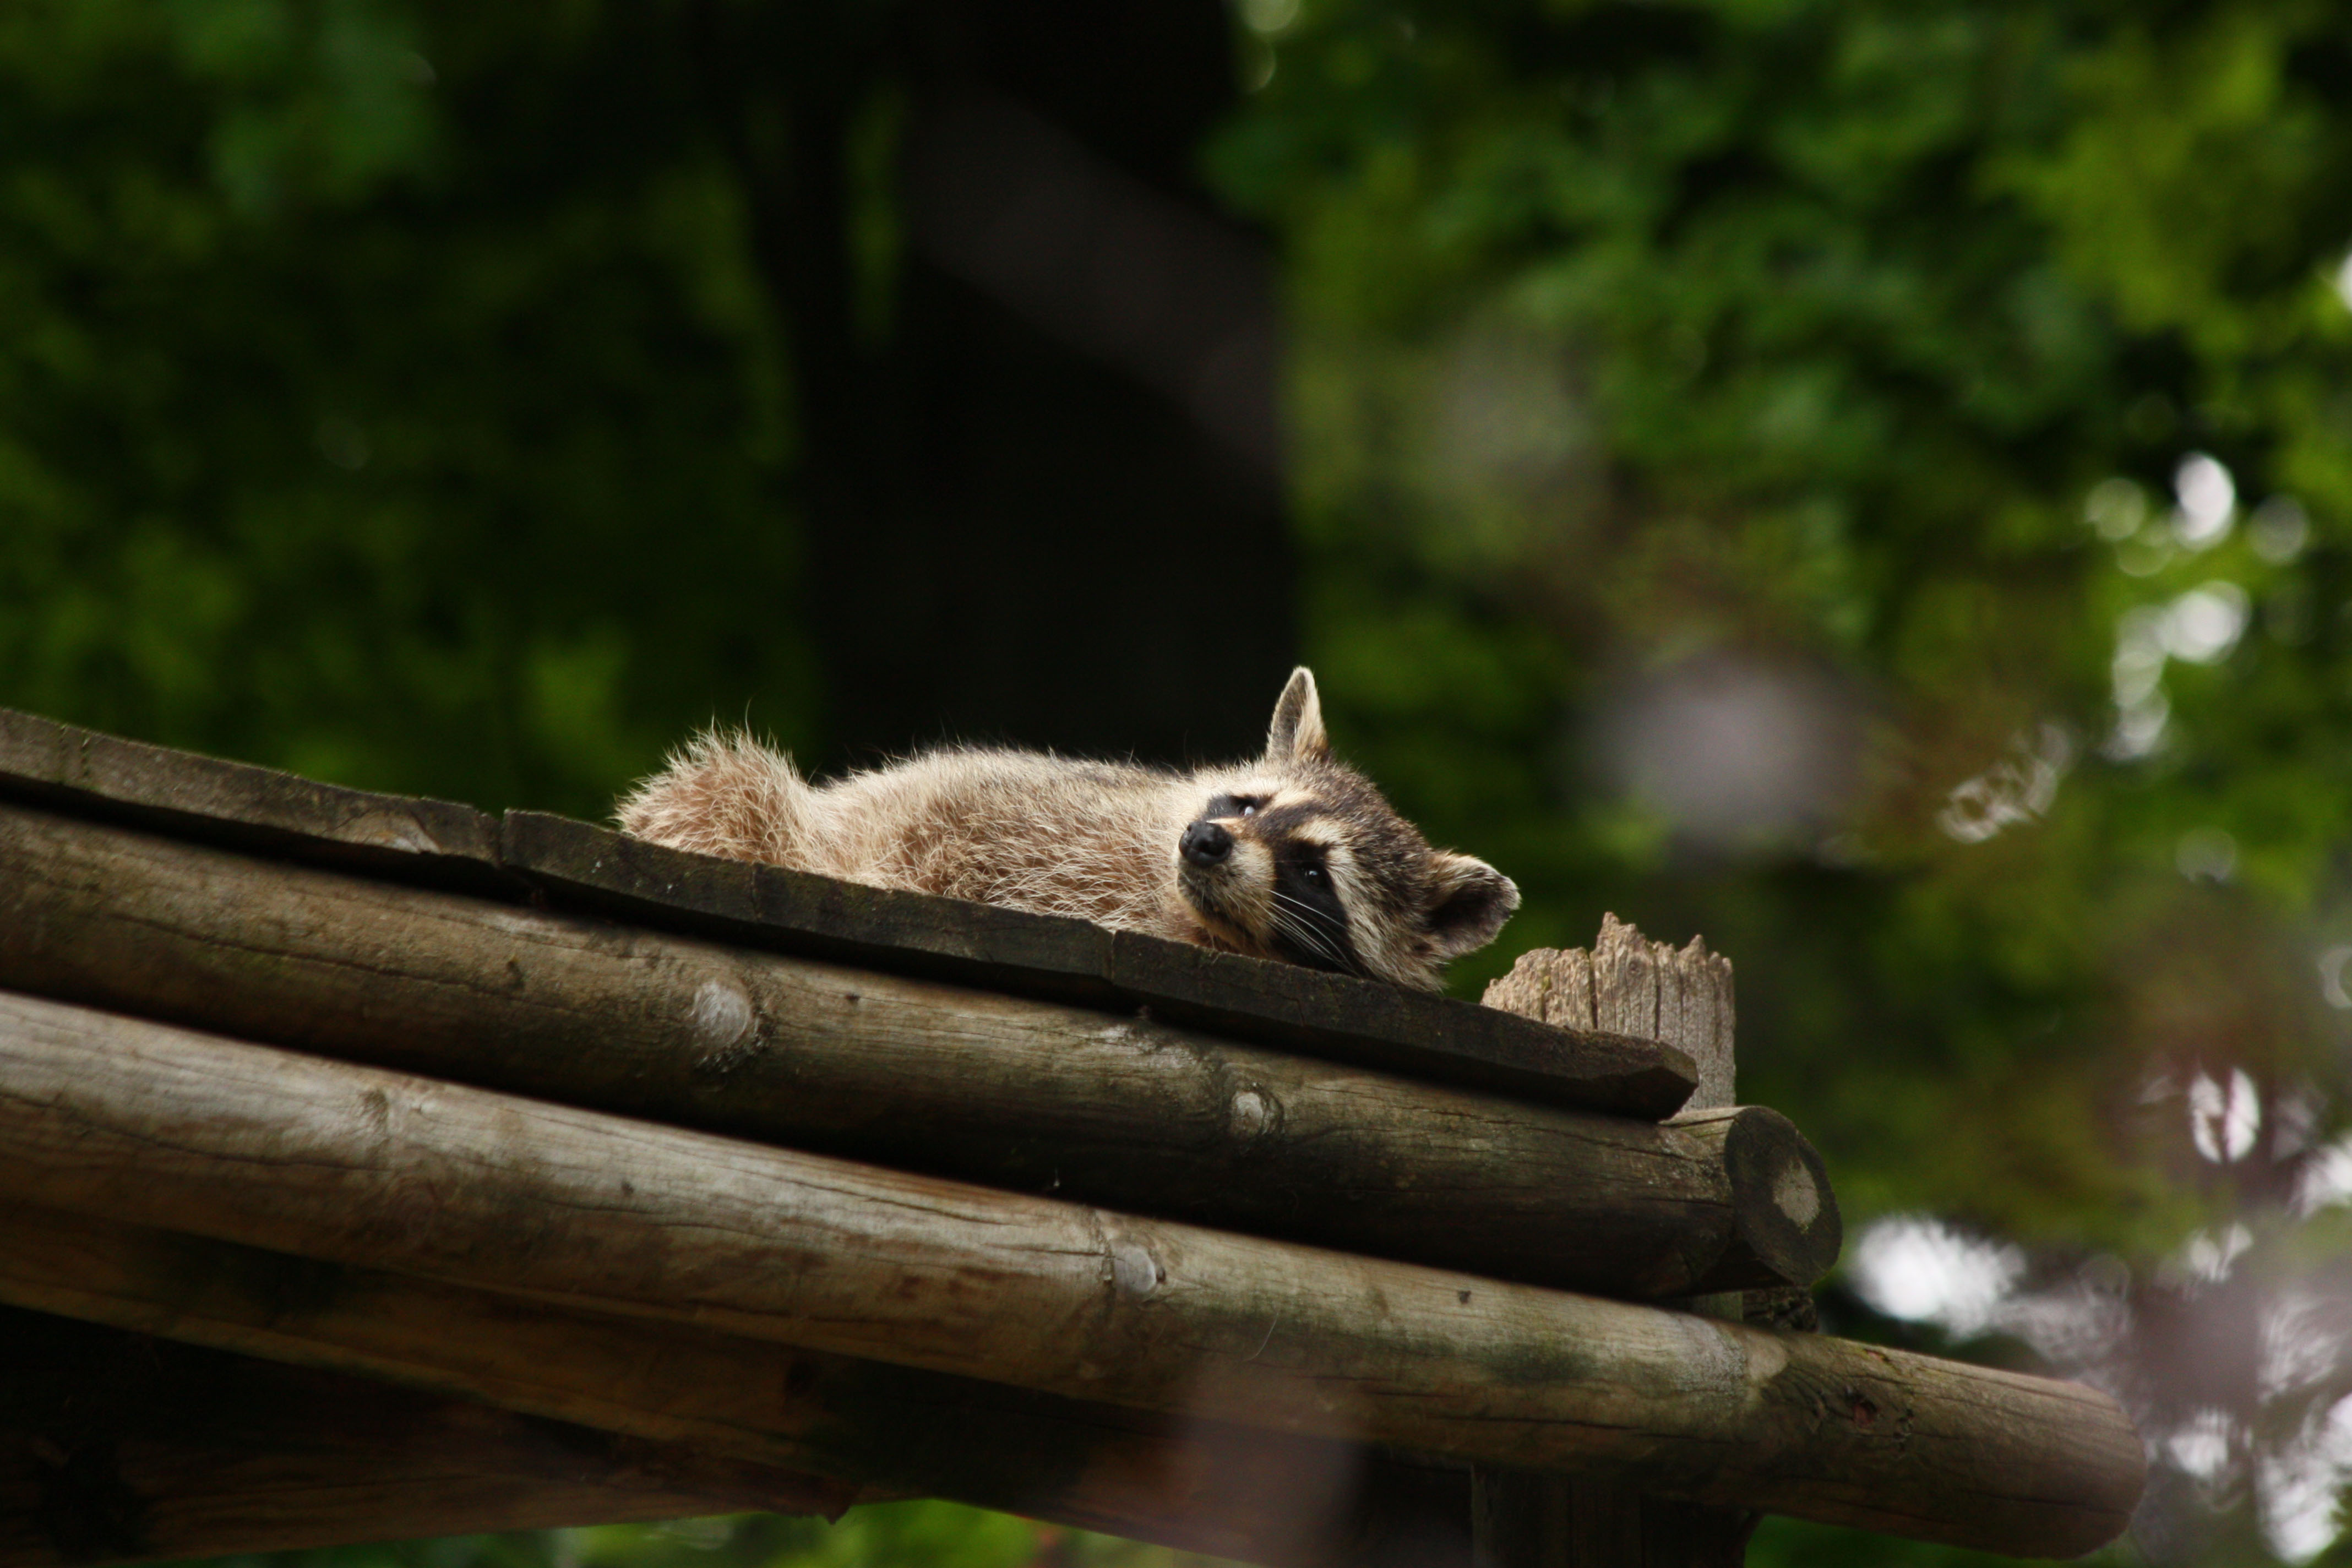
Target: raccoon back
1017, 828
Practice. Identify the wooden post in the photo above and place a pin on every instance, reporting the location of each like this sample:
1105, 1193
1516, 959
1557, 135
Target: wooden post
1523, 1519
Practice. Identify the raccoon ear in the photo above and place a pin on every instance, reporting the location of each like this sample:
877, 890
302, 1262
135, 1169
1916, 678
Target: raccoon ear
1297, 734
1469, 903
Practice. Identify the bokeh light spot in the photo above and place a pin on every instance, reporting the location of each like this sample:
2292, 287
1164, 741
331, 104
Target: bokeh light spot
1268, 17
2223, 1119
2017, 789
2206, 855
1924, 1270
1734, 753
2209, 500
2115, 509
2331, 977
2204, 623
2279, 530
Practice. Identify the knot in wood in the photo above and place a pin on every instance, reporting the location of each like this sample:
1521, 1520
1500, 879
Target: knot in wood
723, 1021
1252, 1113
1133, 1270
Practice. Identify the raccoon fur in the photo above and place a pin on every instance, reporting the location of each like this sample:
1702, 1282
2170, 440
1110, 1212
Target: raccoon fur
1293, 856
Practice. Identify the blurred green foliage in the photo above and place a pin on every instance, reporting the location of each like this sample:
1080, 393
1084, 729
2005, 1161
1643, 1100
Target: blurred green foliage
1755, 461
395, 418
1638, 339
1956, 398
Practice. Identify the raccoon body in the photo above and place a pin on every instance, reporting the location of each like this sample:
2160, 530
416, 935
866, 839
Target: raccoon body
1292, 855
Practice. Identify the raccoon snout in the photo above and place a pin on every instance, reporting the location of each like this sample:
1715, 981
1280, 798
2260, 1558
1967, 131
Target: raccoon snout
1205, 843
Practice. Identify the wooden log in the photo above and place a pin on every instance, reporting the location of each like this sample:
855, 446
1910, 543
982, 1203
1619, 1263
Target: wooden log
1335, 1017
157, 1126
730, 1413
1125, 1111
120, 1447
530, 854
1527, 1519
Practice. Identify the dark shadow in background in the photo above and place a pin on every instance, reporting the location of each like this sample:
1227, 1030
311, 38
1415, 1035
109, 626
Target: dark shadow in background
1043, 495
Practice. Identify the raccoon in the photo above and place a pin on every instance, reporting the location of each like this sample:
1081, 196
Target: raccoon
1294, 857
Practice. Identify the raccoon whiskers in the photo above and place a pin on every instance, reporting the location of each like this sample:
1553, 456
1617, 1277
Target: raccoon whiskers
1311, 929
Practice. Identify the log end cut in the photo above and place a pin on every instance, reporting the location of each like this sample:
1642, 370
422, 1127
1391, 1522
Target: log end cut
1785, 1228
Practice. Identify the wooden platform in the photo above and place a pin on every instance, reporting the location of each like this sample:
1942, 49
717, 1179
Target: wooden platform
618, 1183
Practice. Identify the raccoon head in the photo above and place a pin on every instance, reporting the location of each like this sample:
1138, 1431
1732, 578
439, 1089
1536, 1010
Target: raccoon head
1296, 856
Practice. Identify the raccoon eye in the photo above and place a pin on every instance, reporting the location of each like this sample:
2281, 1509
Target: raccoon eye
1312, 873
1249, 808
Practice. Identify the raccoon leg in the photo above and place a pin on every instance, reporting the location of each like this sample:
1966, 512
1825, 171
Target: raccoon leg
725, 793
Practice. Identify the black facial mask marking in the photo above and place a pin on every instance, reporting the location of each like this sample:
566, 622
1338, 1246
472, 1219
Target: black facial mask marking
1311, 924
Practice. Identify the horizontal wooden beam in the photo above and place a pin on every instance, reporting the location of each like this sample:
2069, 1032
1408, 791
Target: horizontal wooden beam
159, 1126
120, 1447
528, 855
729, 1413
1121, 1110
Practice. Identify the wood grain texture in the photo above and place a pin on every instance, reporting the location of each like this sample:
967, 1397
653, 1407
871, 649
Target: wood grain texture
120, 1448
1130, 1112
157, 1126
541, 859
262, 809
689, 1403
1628, 984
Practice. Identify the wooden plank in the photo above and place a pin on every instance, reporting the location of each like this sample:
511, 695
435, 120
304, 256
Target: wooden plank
158, 1126
531, 854
706, 1404
1131, 1113
261, 809
120, 1448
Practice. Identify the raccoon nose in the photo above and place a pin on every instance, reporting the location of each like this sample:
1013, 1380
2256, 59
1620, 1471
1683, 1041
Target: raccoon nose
1205, 843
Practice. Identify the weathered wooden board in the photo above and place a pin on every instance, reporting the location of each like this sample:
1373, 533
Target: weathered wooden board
702, 1404
1131, 1113
157, 1126
120, 1448
213, 801
529, 854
